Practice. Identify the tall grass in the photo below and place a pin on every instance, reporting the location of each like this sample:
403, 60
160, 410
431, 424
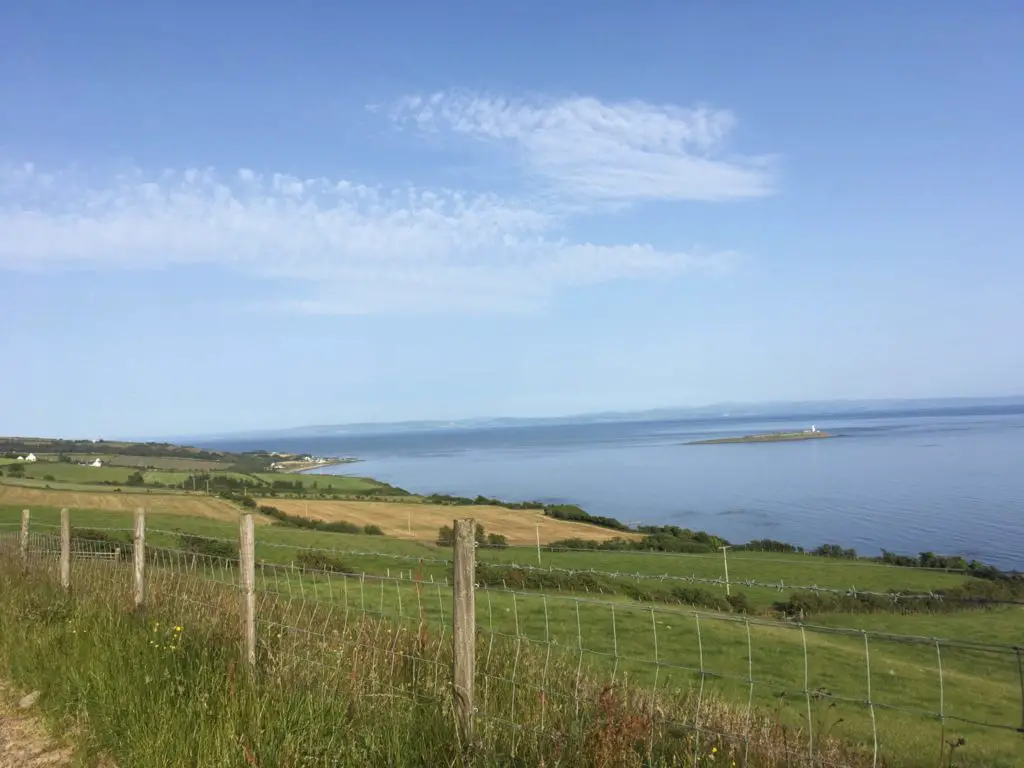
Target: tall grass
335, 688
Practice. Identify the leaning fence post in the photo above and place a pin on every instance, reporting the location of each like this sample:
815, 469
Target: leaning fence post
139, 558
464, 624
65, 549
23, 545
247, 567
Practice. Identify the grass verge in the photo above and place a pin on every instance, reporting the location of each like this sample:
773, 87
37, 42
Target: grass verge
338, 690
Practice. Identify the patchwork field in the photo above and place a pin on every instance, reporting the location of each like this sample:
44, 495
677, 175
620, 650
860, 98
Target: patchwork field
180, 463
421, 521
408, 520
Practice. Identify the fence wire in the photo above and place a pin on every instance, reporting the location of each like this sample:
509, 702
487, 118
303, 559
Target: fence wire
562, 671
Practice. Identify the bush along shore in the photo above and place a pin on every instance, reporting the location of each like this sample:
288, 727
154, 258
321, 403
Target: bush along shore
570, 512
674, 539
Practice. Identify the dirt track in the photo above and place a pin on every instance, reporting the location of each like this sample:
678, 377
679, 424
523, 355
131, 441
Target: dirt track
196, 506
24, 742
421, 521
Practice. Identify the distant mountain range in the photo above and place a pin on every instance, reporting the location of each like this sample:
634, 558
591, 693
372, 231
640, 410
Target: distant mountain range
796, 409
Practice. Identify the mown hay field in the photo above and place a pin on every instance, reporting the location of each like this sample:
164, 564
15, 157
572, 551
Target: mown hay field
209, 507
413, 520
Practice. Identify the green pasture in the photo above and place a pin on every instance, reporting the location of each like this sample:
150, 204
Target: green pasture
814, 674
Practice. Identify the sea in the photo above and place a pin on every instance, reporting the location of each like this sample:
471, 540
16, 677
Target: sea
909, 480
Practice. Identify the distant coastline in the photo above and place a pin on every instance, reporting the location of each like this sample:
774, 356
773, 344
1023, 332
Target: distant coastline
770, 437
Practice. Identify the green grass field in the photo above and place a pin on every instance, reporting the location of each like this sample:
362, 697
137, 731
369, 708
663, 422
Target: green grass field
171, 472
170, 463
62, 472
335, 483
663, 647
336, 690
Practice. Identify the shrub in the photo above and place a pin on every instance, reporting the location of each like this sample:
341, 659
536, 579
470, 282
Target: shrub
496, 541
445, 536
577, 514
99, 541
739, 603
321, 561
514, 577
335, 526
201, 545
767, 545
701, 597
834, 550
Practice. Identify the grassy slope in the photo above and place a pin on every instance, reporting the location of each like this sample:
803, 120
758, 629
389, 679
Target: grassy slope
339, 691
414, 519
175, 471
172, 463
116, 506
340, 483
627, 636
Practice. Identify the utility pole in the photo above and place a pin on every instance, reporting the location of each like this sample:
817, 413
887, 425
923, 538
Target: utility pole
725, 561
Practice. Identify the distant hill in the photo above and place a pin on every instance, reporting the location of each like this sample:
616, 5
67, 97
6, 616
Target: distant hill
727, 410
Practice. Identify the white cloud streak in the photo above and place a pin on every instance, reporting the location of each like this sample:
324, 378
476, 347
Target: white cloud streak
611, 152
339, 247
346, 248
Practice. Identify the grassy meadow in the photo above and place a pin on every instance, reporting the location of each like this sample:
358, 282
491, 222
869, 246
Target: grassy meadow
584, 657
811, 678
167, 688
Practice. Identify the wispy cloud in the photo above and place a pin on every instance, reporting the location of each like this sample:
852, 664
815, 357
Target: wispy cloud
337, 246
599, 151
340, 247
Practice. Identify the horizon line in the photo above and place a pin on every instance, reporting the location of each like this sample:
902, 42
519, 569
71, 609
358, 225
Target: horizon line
276, 431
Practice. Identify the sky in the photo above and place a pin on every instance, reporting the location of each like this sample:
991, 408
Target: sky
237, 216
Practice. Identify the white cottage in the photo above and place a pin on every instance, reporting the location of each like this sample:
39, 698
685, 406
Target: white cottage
96, 463
30, 457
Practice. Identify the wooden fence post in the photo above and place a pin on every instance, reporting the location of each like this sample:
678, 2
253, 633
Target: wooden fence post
139, 558
23, 544
65, 549
247, 570
464, 624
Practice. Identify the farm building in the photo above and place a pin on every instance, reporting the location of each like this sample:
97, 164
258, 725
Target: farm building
96, 463
30, 457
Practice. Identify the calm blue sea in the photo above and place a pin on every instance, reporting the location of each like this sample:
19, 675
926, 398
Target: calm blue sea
948, 481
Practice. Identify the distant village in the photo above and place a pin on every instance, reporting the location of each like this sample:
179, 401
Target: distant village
290, 462
94, 463
285, 462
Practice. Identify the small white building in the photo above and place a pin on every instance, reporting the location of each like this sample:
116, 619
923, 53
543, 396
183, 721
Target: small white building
30, 457
96, 463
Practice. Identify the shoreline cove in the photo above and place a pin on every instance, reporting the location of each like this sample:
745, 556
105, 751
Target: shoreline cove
670, 539
905, 480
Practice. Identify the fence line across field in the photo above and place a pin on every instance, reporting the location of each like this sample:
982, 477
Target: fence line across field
738, 555
271, 595
725, 583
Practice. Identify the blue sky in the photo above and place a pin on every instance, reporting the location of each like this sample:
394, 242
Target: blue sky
219, 216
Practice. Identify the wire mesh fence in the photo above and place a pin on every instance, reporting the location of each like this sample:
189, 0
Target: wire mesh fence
566, 661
